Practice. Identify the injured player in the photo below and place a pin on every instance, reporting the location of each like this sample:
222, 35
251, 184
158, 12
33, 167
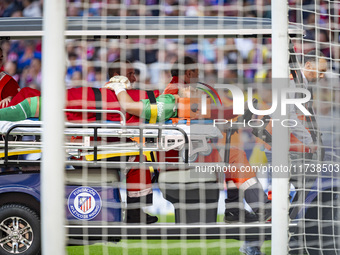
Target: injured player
166, 104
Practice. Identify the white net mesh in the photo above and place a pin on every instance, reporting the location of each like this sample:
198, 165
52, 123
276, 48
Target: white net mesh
220, 202
315, 196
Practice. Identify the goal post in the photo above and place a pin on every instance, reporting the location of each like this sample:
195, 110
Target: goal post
245, 50
280, 147
52, 166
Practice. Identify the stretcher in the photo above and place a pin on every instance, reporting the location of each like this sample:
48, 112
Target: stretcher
88, 142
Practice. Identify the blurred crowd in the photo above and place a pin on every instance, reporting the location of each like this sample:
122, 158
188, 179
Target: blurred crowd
21, 8
222, 60
319, 18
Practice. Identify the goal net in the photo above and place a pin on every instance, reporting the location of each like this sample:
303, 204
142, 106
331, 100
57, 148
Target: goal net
314, 192
177, 158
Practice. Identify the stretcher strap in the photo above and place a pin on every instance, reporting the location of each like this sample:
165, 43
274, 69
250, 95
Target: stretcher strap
153, 106
151, 157
153, 117
98, 98
262, 132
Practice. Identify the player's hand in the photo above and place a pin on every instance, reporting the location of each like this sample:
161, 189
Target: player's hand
4, 102
313, 148
118, 84
177, 97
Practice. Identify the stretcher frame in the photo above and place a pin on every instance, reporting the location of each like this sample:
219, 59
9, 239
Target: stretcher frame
94, 157
93, 230
164, 142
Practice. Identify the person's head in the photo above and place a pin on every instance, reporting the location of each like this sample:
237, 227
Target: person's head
11, 68
36, 65
17, 13
72, 57
1, 57
315, 65
186, 70
76, 79
123, 68
27, 2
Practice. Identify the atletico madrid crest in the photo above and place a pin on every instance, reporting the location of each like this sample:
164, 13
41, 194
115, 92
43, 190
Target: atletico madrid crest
84, 203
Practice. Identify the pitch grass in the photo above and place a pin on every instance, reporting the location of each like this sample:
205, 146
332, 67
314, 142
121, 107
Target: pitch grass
167, 247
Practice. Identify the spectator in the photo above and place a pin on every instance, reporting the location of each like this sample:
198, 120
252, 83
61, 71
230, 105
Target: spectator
11, 68
32, 8
27, 56
1, 59
155, 10
73, 66
73, 10
31, 76
76, 79
91, 74
171, 8
113, 8
193, 9
11, 7
34, 74
17, 14
99, 78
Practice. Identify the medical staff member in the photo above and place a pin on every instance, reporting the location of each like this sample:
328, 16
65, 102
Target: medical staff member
303, 138
185, 74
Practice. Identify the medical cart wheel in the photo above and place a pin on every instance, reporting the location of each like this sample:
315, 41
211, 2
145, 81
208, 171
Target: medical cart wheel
19, 230
191, 158
208, 151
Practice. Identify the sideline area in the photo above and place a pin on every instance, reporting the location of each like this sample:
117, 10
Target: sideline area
171, 247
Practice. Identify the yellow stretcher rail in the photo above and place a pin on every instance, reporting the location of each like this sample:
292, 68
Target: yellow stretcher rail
147, 154
118, 154
20, 152
90, 157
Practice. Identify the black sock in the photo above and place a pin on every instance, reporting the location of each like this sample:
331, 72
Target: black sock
233, 200
233, 195
256, 197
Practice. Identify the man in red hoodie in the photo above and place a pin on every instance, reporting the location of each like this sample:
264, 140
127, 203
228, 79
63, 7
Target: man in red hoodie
139, 187
185, 72
139, 191
8, 86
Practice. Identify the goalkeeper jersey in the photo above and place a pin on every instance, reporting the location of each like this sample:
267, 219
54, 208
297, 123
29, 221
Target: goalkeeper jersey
166, 107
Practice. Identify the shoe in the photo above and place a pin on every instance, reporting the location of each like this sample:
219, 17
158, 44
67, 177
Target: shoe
138, 216
265, 216
265, 213
250, 250
237, 215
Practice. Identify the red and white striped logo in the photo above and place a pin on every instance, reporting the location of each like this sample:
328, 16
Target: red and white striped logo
85, 203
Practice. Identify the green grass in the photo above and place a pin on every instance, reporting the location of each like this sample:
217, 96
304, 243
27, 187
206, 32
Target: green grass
166, 247
171, 218
158, 247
